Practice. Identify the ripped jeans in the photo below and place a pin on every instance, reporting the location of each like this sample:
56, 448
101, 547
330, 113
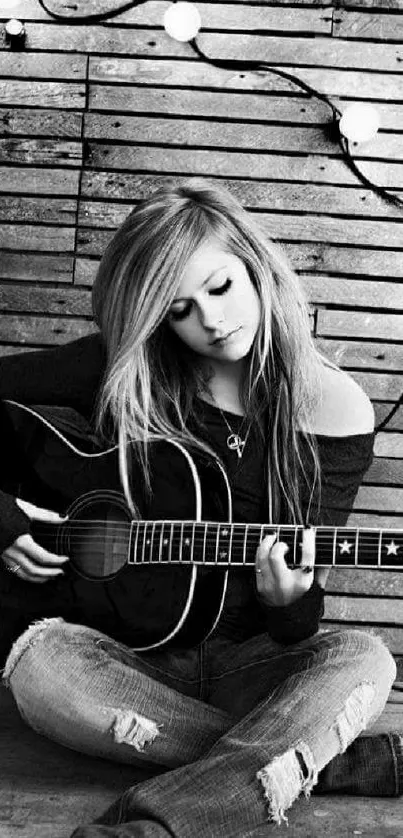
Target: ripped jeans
243, 728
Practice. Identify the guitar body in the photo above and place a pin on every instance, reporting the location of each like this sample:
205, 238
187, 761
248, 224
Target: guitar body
145, 606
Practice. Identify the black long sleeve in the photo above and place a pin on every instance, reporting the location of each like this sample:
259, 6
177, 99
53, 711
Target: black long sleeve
67, 375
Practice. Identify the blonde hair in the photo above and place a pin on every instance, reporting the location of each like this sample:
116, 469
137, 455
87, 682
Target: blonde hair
152, 377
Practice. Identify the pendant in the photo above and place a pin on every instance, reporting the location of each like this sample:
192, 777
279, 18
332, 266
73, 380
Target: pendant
235, 443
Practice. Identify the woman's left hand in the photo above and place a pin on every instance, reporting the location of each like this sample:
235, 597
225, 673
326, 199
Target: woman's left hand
276, 583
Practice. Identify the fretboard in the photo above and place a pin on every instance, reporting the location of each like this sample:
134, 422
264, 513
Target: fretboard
213, 544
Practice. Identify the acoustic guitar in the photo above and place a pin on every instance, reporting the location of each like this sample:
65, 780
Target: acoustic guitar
166, 569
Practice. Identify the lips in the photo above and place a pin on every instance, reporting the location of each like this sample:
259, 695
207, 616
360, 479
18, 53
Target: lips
224, 337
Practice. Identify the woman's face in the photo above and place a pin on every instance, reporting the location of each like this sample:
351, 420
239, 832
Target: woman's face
216, 311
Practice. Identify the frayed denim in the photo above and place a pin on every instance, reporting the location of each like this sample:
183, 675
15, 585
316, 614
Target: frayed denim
240, 729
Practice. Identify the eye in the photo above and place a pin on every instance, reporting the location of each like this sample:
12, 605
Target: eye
222, 289
180, 315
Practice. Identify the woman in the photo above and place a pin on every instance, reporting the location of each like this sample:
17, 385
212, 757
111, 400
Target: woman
204, 341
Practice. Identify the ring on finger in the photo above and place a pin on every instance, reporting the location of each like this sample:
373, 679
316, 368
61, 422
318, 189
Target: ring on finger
258, 570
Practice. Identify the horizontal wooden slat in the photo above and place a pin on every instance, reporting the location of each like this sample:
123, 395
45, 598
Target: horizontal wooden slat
380, 498
332, 230
40, 151
20, 65
31, 266
203, 103
372, 519
204, 133
36, 123
372, 56
354, 353
367, 610
389, 445
29, 237
41, 181
45, 331
345, 260
375, 583
368, 25
352, 292
45, 94
212, 163
384, 470
31, 299
360, 324
45, 210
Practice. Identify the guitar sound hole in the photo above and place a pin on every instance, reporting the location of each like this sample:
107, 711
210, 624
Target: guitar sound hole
97, 539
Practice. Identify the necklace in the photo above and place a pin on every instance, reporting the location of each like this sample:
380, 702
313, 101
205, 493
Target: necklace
235, 441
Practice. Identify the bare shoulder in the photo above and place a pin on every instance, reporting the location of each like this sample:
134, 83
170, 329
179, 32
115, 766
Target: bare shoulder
344, 408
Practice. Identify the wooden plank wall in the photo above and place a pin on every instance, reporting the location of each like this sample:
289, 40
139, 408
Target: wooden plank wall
94, 117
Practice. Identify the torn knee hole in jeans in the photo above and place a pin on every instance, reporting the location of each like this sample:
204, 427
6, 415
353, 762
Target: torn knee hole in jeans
295, 771
132, 729
354, 718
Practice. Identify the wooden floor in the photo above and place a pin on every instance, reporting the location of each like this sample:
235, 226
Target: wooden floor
47, 790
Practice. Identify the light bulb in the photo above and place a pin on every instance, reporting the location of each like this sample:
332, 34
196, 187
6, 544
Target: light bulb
182, 21
359, 123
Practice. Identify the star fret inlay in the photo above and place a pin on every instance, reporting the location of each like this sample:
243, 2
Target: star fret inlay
392, 548
345, 546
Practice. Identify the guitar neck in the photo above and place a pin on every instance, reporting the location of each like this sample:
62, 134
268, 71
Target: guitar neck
213, 544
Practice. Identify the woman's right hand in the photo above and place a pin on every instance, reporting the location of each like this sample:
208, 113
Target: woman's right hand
27, 559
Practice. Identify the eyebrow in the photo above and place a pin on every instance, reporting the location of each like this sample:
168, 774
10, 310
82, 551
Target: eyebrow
216, 271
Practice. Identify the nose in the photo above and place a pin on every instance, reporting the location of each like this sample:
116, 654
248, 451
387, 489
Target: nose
211, 316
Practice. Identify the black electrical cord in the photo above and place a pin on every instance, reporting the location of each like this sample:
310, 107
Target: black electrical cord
246, 64
93, 18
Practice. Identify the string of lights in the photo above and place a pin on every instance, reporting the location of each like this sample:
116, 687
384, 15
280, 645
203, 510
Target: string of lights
358, 123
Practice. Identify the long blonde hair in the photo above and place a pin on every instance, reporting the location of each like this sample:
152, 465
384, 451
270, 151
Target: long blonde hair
152, 378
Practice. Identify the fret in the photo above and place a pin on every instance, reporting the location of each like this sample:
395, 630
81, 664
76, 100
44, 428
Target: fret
356, 548
295, 559
224, 542
217, 542
204, 542
152, 541
158, 527
192, 545
131, 550
244, 544
380, 549
171, 541
144, 541
187, 541
181, 542
231, 538
334, 547
164, 543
